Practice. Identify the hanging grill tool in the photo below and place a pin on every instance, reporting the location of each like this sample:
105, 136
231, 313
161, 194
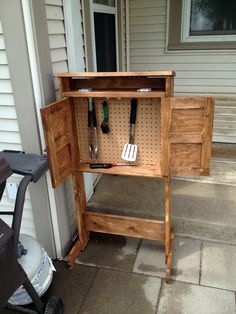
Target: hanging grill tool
104, 125
130, 149
92, 129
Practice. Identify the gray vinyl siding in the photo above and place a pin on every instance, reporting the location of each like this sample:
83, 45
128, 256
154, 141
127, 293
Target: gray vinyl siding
58, 49
57, 39
10, 139
83, 35
197, 72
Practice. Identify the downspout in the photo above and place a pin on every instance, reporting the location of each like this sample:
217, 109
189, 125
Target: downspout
39, 100
127, 35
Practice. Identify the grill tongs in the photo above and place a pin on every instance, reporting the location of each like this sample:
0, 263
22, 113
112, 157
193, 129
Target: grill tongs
92, 130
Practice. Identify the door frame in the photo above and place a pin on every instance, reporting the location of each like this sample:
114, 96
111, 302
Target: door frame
90, 44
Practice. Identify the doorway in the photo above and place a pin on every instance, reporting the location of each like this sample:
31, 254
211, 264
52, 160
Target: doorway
101, 35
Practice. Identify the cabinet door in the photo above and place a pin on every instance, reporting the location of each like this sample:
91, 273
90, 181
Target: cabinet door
61, 141
186, 135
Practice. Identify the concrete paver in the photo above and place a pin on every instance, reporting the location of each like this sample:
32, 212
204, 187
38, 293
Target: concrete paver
219, 265
71, 286
196, 206
116, 292
105, 250
183, 298
186, 259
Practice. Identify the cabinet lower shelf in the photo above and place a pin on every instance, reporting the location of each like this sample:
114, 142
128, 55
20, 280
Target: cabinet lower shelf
152, 171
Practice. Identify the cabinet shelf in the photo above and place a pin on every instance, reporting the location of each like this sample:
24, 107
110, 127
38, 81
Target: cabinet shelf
152, 171
115, 94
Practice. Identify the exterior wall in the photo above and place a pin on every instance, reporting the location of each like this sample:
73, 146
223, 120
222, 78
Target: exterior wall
10, 139
58, 50
197, 72
57, 38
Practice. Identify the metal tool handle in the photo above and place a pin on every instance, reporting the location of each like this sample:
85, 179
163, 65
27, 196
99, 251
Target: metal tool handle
92, 122
134, 103
105, 110
101, 166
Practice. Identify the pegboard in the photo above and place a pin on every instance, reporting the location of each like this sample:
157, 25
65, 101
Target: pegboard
147, 129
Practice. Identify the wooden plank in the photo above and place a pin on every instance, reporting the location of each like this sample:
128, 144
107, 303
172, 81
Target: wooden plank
141, 171
184, 129
169, 88
165, 142
207, 135
188, 102
186, 155
74, 252
186, 171
186, 138
167, 216
115, 94
80, 206
187, 120
127, 226
61, 140
115, 74
169, 257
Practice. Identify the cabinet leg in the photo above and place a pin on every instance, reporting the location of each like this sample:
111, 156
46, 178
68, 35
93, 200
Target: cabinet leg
169, 257
74, 252
169, 231
80, 207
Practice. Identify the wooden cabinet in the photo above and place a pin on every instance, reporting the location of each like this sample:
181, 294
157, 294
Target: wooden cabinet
173, 136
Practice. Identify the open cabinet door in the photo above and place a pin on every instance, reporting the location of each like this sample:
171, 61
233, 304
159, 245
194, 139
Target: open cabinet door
61, 141
186, 126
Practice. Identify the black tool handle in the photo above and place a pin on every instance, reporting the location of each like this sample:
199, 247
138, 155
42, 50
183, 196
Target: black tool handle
134, 103
92, 122
100, 166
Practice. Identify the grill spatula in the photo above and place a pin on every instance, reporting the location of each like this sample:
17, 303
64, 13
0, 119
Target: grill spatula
130, 149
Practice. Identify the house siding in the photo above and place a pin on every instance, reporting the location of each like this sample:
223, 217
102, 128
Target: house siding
58, 50
197, 72
57, 38
10, 139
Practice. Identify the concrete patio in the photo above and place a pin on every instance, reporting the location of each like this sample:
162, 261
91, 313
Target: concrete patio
116, 274
125, 275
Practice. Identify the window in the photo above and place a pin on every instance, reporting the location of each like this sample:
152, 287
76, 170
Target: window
202, 24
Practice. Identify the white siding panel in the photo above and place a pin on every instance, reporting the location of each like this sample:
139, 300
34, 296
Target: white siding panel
6, 99
3, 57
54, 2
5, 86
8, 112
58, 55
137, 28
182, 67
10, 139
146, 4
10, 146
61, 66
148, 44
54, 13
6, 124
56, 27
4, 72
57, 41
2, 44
197, 72
147, 36
143, 12
146, 20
